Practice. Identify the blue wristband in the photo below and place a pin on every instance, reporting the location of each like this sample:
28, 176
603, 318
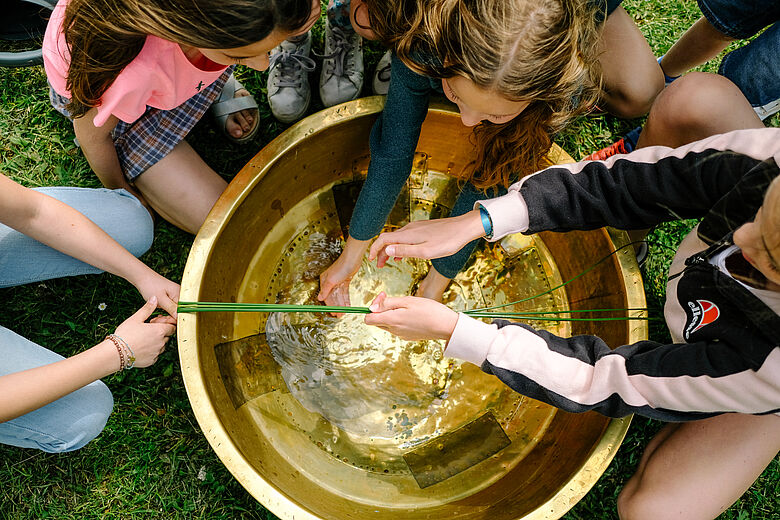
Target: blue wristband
487, 224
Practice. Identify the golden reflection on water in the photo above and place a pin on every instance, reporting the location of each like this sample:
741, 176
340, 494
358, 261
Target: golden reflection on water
363, 395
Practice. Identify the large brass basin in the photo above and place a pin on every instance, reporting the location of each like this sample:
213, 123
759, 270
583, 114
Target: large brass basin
473, 449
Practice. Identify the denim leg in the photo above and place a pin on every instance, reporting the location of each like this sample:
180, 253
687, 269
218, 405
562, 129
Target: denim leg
450, 266
68, 423
755, 69
24, 260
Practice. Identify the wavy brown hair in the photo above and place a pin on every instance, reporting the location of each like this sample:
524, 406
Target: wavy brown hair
540, 51
104, 36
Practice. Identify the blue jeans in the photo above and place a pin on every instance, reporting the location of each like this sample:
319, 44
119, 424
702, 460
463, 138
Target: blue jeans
72, 421
754, 68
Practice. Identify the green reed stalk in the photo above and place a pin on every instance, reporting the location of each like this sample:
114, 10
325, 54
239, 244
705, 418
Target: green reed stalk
189, 307
521, 316
483, 312
265, 307
583, 273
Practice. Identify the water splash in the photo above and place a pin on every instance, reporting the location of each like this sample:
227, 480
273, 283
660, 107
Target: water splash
360, 378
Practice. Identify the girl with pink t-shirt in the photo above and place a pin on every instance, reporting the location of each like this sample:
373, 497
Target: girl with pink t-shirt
135, 77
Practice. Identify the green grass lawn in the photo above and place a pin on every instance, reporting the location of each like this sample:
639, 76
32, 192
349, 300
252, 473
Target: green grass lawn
152, 460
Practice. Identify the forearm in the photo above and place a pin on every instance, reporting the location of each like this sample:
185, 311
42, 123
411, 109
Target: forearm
354, 250
98, 148
699, 44
377, 198
451, 265
392, 143
61, 227
23, 392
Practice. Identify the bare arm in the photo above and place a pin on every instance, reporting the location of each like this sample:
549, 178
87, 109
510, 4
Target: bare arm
428, 238
61, 227
31, 389
98, 148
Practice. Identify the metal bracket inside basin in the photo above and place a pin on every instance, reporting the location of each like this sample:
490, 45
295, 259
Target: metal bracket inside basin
456, 451
248, 369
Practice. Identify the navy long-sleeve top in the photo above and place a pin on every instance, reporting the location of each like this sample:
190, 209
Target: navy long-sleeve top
392, 143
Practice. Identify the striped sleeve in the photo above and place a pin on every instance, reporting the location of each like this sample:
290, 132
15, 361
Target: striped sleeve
636, 190
582, 373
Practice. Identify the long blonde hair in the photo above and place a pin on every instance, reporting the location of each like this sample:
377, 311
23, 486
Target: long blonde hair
541, 51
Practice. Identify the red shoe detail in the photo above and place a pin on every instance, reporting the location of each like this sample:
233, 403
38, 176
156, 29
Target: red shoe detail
596, 111
616, 148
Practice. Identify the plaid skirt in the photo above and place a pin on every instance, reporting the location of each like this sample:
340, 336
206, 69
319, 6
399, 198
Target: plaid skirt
142, 143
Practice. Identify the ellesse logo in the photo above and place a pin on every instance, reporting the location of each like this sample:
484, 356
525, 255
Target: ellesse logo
703, 312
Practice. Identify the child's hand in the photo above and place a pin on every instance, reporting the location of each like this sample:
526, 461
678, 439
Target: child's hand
428, 238
412, 318
334, 281
147, 340
166, 291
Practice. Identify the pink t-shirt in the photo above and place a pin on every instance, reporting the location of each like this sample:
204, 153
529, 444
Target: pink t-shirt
160, 76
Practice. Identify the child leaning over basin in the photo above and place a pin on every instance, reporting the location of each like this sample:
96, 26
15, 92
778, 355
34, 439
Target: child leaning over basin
136, 76
723, 370
518, 71
48, 402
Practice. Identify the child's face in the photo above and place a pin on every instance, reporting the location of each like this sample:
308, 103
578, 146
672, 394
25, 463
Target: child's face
255, 55
760, 240
477, 104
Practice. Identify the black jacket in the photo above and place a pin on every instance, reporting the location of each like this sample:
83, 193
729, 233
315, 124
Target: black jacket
730, 365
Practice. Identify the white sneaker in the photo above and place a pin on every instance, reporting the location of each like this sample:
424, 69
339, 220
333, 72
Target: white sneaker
289, 93
381, 81
770, 109
342, 66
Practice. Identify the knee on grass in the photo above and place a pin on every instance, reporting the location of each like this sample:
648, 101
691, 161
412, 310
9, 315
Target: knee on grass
86, 424
630, 506
137, 230
700, 102
644, 497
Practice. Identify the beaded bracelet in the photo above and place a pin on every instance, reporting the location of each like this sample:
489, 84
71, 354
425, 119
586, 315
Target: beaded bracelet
119, 349
126, 354
130, 353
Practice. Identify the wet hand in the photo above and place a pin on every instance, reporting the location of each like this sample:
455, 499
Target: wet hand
334, 281
412, 318
428, 239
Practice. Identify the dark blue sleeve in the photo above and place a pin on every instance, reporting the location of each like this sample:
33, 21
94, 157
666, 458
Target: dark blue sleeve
393, 142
